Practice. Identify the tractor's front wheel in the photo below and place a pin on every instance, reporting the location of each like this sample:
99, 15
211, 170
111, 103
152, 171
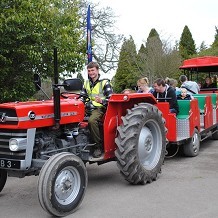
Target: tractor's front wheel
62, 184
3, 178
141, 144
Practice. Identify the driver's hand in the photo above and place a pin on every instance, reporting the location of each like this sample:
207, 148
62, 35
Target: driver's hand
98, 99
81, 99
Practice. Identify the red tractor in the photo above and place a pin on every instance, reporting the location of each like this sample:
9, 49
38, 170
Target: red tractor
50, 138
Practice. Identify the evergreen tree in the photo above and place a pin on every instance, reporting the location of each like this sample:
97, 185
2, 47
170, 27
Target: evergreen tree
141, 60
153, 41
203, 47
213, 50
215, 43
187, 46
127, 72
154, 53
158, 59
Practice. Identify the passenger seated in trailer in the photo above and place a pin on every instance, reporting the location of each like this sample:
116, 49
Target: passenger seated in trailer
173, 83
215, 80
184, 95
191, 86
209, 84
143, 85
128, 91
165, 93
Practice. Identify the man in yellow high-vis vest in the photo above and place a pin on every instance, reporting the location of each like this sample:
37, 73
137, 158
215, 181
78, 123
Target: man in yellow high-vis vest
99, 92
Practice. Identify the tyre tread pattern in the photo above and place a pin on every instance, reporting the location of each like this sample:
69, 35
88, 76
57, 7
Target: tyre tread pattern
126, 153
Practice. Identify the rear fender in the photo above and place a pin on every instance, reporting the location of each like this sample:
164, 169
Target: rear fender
117, 107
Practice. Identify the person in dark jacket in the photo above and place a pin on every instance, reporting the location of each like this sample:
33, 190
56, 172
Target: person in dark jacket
165, 93
209, 84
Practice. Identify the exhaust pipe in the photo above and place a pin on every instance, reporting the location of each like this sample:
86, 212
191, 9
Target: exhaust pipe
56, 92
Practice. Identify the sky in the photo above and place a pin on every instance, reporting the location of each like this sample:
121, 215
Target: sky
168, 17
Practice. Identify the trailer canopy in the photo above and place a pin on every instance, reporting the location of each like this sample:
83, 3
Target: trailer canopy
201, 64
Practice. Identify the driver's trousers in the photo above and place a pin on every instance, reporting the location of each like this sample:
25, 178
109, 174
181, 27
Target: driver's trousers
93, 123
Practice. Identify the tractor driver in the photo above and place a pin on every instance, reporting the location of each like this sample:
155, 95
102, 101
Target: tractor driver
99, 92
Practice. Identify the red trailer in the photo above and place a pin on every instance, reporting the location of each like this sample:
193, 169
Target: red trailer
198, 118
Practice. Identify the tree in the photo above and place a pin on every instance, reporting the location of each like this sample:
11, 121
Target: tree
141, 60
155, 59
30, 29
187, 46
158, 59
80, 76
106, 44
215, 42
203, 47
154, 53
213, 50
170, 61
127, 72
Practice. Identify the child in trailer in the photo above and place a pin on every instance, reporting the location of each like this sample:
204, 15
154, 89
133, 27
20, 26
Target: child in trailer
184, 95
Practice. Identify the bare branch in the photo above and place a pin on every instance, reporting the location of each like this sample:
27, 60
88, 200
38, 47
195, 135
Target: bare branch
106, 44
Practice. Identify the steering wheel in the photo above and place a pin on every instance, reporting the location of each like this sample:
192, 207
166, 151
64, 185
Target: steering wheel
85, 97
64, 94
78, 95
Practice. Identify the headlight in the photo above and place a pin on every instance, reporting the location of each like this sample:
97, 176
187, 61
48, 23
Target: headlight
17, 144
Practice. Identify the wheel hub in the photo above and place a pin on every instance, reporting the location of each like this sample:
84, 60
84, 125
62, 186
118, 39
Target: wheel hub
145, 142
149, 149
64, 185
148, 143
67, 185
195, 142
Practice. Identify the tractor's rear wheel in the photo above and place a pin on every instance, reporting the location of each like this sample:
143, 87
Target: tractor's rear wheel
3, 178
141, 144
62, 184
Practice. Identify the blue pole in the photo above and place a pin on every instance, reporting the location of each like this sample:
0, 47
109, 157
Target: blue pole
89, 43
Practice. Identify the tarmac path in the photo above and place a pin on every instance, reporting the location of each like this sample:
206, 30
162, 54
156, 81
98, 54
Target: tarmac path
186, 188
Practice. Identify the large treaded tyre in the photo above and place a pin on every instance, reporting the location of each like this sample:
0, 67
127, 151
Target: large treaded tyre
3, 178
141, 144
62, 184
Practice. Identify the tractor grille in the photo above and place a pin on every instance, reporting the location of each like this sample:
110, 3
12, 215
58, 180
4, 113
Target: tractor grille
8, 116
5, 152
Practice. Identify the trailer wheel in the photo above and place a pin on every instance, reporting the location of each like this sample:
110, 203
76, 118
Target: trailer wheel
191, 149
215, 135
3, 178
62, 184
141, 144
